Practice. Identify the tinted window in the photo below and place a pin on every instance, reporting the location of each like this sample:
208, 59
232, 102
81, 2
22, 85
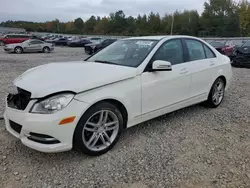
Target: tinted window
195, 50
209, 52
36, 42
22, 36
11, 36
217, 44
170, 51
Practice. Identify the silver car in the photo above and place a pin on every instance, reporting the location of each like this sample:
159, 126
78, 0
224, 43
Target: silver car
32, 45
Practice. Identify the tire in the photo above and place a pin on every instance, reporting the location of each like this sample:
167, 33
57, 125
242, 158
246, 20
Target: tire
46, 49
91, 141
18, 50
1, 43
216, 96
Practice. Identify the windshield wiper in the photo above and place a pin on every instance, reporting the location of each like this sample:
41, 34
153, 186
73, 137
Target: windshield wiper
107, 62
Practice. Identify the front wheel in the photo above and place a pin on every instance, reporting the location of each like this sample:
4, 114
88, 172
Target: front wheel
216, 94
1, 43
46, 49
18, 50
99, 129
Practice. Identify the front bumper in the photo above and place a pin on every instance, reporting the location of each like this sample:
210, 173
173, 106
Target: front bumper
9, 50
45, 124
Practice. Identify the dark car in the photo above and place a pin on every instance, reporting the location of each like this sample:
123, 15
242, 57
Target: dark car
242, 55
51, 40
60, 42
78, 43
95, 47
224, 47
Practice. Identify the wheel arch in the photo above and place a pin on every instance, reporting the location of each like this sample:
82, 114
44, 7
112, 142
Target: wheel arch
223, 78
211, 84
121, 107
46, 47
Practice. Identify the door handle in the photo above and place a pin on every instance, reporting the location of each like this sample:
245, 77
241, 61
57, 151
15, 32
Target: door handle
184, 71
212, 63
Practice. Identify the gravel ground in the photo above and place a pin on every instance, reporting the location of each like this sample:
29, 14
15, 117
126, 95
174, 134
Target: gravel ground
193, 147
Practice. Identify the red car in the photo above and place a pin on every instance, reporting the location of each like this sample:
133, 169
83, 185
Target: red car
224, 47
13, 38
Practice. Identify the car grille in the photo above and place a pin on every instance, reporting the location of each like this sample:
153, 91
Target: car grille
20, 100
15, 126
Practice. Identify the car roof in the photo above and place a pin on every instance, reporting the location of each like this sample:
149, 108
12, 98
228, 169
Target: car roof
160, 37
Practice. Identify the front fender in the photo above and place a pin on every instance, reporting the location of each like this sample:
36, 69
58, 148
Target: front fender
127, 92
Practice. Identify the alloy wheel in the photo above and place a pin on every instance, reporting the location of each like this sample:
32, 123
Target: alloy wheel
18, 50
218, 92
46, 50
100, 130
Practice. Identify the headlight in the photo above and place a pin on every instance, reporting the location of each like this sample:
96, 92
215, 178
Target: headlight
52, 104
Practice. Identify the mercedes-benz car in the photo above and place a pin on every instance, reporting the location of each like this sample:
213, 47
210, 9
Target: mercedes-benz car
31, 45
88, 104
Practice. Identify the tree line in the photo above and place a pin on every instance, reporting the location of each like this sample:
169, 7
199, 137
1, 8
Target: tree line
220, 18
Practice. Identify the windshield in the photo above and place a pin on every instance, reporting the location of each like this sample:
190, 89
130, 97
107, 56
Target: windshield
217, 44
246, 43
129, 52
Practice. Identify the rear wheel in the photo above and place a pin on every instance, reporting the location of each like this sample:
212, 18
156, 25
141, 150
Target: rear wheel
99, 129
46, 49
18, 50
216, 94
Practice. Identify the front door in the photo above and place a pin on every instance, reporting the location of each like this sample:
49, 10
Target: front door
34, 46
165, 88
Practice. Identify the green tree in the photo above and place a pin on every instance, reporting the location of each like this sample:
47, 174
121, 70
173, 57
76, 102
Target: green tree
90, 25
79, 24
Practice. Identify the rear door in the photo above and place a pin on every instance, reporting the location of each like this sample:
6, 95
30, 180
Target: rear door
202, 68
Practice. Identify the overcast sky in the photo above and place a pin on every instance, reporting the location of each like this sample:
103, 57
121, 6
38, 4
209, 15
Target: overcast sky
67, 10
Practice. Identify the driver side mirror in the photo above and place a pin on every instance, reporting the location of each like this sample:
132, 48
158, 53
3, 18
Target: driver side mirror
159, 65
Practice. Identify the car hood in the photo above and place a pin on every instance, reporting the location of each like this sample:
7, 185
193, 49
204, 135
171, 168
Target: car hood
71, 76
14, 45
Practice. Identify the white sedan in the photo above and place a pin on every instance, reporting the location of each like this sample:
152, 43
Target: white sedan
88, 104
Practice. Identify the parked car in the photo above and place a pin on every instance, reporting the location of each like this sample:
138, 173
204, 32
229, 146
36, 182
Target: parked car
31, 45
94, 39
94, 47
61, 42
88, 104
52, 40
78, 43
242, 55
224, 47
13, 38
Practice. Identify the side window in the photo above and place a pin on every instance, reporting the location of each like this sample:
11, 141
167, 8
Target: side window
195, 50
171, 51
209, 52
36, 42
